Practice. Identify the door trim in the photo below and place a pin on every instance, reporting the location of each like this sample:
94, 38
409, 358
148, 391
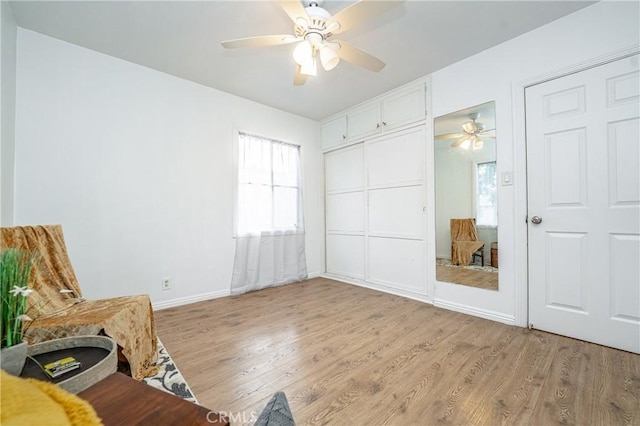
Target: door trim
521, 254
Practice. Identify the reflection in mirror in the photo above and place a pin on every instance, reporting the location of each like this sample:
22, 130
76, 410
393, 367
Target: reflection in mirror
466, 197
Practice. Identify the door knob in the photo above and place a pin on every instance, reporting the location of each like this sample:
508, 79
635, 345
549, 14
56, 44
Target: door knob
536, 220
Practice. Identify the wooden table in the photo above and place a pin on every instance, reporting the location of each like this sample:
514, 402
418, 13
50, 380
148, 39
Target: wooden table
121, 400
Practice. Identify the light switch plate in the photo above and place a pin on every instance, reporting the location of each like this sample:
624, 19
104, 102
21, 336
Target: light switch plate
507, 178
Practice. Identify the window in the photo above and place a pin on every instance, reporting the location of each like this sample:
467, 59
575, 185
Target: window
269, 196
486, 194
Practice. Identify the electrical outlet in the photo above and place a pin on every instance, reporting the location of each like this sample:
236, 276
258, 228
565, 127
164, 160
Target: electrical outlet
166, 283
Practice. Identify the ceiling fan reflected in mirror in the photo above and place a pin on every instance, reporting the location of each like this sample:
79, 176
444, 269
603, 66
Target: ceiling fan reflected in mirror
314, 28
472, 136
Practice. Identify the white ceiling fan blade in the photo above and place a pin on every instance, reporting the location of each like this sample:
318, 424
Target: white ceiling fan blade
358, 56
260, 41
298, 78
294, 9
449, 136
359, 12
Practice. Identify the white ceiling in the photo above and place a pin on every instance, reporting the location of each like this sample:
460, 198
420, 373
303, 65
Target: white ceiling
182, 38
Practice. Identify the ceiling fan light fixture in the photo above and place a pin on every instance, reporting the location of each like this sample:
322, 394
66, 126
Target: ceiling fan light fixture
309, 67
328, 57
303, 52
478, 143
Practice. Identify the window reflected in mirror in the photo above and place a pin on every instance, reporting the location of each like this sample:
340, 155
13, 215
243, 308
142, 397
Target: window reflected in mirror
466, 197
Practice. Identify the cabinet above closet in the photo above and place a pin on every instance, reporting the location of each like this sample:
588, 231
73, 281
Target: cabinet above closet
391, 111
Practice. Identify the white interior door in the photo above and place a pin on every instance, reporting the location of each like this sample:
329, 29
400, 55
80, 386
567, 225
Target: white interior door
583, 162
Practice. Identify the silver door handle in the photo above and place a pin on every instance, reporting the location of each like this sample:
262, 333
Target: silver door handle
536, 220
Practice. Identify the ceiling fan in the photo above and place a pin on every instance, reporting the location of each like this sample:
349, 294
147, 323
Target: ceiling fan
314, 28
472, 136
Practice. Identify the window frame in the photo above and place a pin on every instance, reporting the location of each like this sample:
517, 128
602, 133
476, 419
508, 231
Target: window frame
236, 140
476, 165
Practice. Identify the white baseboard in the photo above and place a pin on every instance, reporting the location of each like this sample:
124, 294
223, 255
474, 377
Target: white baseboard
202, 297
378, 287
452, 306
190, 299
477, 312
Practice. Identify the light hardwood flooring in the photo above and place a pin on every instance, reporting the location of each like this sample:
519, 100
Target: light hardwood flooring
346, 355
470, 277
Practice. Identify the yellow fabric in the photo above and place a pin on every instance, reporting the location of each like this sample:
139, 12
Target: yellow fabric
128, 320
31, 402
464, 240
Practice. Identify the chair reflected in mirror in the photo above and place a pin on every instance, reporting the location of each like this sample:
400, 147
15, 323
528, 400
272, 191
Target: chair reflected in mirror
465, 245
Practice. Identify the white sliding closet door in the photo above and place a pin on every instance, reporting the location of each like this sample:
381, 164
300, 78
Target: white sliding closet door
395, 193
345, 213
375, 211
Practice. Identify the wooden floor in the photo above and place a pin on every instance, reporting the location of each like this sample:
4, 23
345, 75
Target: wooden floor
346, 355
470, 277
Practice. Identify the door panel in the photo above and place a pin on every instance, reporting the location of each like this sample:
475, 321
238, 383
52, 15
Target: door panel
396, 212
625, 297
624, 175
583, 157
345, 255
404, 107
397, 263
364, 121
344, 169
623, 88
566, 282
345, 212
396, 160
566, 171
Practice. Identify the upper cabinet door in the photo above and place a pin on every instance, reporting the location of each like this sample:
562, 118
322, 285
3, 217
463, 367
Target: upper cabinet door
404, 107
334, 132
364, 121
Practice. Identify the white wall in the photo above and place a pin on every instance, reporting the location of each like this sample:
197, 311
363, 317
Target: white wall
7, 111
600, 29
137, 167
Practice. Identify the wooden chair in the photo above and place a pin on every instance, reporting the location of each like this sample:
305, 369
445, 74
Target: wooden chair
128, 320
465, 246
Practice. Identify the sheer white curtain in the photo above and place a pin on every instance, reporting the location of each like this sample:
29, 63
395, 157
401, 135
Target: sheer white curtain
268, 215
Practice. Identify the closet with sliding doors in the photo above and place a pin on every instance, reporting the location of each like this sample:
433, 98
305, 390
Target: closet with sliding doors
375, 192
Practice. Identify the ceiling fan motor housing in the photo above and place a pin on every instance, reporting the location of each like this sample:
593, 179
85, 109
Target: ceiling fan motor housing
316, 23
